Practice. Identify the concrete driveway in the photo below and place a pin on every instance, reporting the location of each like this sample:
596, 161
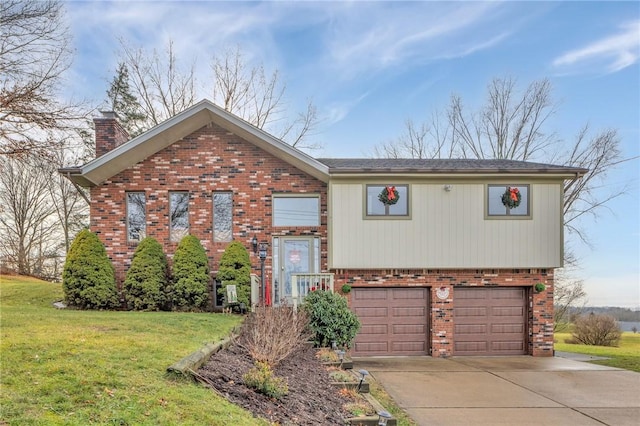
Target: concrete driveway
508, 390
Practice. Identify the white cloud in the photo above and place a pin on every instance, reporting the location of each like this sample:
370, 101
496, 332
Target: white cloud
617, 51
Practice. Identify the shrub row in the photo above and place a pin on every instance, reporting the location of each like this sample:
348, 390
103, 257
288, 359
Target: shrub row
89, 278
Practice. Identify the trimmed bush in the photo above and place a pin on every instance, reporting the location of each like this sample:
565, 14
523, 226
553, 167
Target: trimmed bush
88, 277
190, 275
597, 330
146, 286
330, 319
262, 379
235, 269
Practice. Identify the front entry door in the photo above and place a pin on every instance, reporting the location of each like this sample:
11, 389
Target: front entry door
295, 256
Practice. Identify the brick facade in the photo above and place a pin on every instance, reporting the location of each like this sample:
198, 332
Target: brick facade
210, 159
214, 159
540, 305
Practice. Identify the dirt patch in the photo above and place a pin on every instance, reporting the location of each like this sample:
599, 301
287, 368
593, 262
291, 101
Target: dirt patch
311, 400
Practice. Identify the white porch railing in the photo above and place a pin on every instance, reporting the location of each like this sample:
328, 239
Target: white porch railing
302, 284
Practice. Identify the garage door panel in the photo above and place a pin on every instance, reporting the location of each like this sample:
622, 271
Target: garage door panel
507, 329
370, 348
370, 294
399, 327
470, 329
415, 346
472, 312
507, 311
372, 312
374, 329
470, 347
409, 329
409, 312
490, 321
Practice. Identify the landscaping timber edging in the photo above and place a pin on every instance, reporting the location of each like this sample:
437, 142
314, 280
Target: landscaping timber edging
192, 362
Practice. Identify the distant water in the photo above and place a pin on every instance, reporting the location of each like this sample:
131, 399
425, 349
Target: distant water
628, 325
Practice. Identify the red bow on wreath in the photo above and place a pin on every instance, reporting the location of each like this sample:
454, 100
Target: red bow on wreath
391, 192
514, 193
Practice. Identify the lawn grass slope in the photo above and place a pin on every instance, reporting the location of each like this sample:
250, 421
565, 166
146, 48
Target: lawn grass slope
102, 367
626, 356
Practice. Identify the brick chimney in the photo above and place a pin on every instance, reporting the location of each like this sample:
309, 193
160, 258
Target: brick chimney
109, 132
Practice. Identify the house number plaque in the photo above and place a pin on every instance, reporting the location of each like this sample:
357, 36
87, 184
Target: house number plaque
442, 293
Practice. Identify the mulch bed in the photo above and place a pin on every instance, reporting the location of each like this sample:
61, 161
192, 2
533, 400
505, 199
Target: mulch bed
311, 400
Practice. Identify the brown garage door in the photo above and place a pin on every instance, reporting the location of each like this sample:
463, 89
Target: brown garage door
394, 321
489, 321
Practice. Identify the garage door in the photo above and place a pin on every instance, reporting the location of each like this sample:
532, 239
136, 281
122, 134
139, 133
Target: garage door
394, 321
489, 321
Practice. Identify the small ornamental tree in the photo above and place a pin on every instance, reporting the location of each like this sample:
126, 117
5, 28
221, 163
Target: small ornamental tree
330, 319
190, 275
235, 269
88, 277
146, 286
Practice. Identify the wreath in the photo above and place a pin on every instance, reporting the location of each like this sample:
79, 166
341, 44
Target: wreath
389, 195
511, 197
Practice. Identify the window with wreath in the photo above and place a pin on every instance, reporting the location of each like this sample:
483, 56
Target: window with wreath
387, 200
178, 215
508, 200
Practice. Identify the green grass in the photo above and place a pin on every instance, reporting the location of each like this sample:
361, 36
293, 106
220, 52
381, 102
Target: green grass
98, 367
626, 356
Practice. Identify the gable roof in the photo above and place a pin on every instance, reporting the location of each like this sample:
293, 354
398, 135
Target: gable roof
443, 166
161, 136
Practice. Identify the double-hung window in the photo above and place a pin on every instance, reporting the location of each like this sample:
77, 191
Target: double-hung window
178, 215
508, 201
136, 216
296, 210
396, 205
222, 217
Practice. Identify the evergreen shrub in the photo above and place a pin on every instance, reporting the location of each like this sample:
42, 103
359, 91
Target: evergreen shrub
235, 269
88, 277
190, 275
330, 319
146, 286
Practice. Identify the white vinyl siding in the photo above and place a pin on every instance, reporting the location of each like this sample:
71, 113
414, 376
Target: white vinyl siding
447, 229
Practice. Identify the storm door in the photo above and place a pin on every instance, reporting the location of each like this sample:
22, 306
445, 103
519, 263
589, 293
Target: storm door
293, 255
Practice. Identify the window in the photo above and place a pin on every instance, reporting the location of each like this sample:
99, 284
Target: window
375, 207
222, 216
296, 211
136, 216
495, 207
178, 215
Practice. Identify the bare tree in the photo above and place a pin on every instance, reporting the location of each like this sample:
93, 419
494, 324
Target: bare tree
513, 125
25, 216
35, 51
162, 87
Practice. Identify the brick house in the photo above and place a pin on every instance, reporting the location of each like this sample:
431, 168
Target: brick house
446, 270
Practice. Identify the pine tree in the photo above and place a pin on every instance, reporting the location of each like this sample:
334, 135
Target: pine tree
124, 103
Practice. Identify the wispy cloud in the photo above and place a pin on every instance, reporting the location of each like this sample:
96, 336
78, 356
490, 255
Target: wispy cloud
615, 52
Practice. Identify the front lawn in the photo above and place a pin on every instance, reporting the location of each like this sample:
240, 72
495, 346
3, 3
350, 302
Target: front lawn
626, 356
98, 367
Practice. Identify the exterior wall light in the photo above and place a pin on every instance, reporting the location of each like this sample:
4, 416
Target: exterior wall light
448, 188
254, 244
263, 257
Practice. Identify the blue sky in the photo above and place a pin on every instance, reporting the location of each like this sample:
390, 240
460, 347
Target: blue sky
369, 66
